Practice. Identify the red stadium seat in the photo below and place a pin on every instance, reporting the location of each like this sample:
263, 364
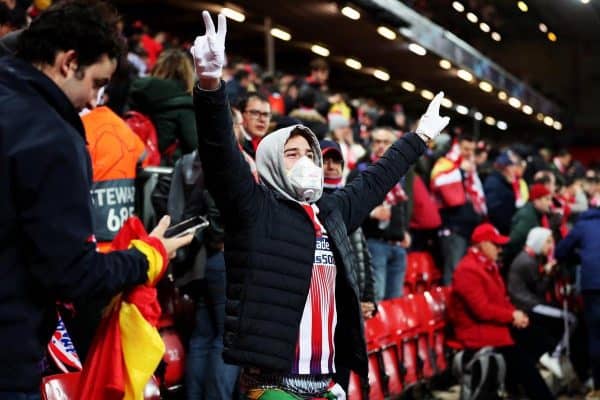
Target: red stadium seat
60, 386
376, 386
64, 387
422, 314
437, 301
382, 347
421, 272
404, 326
354, 388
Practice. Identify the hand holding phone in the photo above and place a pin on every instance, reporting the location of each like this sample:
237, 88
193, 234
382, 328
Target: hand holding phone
173, 243
189, 226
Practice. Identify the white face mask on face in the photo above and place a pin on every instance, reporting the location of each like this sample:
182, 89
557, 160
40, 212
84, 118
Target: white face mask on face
306, 179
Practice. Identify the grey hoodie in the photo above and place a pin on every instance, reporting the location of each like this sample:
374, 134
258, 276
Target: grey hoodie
269, 159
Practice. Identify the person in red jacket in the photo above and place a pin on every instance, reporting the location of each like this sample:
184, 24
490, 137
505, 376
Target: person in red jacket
482, 314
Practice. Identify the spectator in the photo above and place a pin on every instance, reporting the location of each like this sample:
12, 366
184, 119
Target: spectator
561, 164
583, 238
48, 252
284, 254
317, 80
529, 281
386, 228
165, 97
11, 19
116, 153
341, 133
481, 312
238, 86
333, 164
500, 191
533, 214
308, 114
256, 113
456, 185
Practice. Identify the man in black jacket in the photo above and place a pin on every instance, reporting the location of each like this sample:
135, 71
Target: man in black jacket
386, 228
47, 249
291, 293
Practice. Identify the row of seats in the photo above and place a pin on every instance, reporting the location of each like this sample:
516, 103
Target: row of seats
405, 344
421, 273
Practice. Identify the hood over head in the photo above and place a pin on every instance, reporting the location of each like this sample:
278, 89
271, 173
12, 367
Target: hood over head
269, 159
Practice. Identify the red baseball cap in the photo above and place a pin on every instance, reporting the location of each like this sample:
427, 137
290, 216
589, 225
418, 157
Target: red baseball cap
537, 191
488, 233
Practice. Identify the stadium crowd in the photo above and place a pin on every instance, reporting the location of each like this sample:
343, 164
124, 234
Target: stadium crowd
314, 201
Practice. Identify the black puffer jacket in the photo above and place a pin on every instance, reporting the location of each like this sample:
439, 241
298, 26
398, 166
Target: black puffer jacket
270, 241
364, 268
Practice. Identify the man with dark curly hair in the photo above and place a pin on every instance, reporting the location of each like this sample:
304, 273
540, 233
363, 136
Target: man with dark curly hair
47, 249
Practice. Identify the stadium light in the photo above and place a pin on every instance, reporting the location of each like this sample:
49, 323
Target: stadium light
281, 34
514, 102
320, 50
458, 6
496, 36
502, 95
445, 64
382, 75
387, 32
502, 125
464, 75
462, 109
426, 94
472, 17
408, 86
484, 27
486, 86
235, 15
351, 12
446, 102
490, 121
352, 63
522, 6
527, 109
417, 49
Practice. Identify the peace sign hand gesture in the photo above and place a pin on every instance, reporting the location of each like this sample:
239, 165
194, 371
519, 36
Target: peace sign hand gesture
431, 123
209, 49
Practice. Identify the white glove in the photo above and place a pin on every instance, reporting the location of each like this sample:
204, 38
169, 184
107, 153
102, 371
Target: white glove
209, 50
431, 123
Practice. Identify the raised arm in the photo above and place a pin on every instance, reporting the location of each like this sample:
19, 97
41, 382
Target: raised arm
368, 190
227, 175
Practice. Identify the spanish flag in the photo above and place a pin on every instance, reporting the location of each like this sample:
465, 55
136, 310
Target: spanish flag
127, 347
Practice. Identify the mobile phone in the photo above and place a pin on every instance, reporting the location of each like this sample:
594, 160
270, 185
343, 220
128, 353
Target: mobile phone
186, 227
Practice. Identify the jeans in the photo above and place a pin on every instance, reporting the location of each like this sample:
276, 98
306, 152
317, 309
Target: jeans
591, 310
389, 267
207, 375
453, 247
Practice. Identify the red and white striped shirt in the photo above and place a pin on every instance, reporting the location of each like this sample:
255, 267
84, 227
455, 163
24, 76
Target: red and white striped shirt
315, 350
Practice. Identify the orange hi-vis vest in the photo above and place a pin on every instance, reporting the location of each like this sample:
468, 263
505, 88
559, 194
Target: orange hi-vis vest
115, 151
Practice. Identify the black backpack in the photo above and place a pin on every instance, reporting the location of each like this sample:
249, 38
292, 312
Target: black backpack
481, 377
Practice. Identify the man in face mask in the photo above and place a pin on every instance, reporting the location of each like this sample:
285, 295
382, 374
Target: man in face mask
293, 310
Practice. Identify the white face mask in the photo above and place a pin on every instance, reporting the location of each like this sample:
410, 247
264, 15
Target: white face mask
306, 179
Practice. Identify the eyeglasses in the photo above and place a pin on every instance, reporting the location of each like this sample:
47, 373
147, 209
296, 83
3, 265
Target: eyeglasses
255, 114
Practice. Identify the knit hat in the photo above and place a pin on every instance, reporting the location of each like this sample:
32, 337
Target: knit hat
337, 121
505, 159
536, 238
537, 191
